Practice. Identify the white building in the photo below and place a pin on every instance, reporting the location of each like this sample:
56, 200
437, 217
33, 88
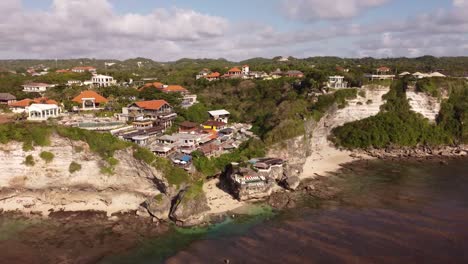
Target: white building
245, 69
103, 80
337, 82
74, 82
37, 87
42, 111
220, 115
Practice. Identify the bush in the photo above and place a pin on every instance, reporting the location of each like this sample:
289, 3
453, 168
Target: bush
112, 161
47, 156
107, 170
74, 167
29, 161
143, 154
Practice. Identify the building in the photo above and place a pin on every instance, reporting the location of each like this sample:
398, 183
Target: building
37, 87
294, 74
245, 69
202, 74
220, 115
383, 70
188, 100
103, 80
7, 98
40, 112
83, 69
214, 125
213, 76
22, 105
156, 85
154, 110
90, 100
337, 82
62, 71
188, 127
276, 74
74, 83
233, 72
246, 184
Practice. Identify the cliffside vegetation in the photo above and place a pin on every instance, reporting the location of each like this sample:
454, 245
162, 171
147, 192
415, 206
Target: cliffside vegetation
397, 125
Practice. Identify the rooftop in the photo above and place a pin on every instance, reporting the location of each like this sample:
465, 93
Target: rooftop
218, 112
152, 105
90, 94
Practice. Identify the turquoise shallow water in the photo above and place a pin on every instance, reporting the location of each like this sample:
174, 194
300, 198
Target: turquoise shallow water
159, 249
390, 212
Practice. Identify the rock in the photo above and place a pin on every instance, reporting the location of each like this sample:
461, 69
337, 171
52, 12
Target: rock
189, 211
292, 183
158, 206
279, 200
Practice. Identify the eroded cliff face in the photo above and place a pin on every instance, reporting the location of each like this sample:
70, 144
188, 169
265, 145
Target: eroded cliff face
298, 150
424, 104
46, 187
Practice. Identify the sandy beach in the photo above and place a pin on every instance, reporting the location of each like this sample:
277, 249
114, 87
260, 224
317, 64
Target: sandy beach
219, 201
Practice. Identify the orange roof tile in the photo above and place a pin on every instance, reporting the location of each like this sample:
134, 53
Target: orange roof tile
26, 102
90, 94
156, 85
151, 105
235, 69
174, 88
213, 75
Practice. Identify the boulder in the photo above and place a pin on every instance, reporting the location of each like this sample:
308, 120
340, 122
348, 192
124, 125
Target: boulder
292, 183
159, 206
189, 211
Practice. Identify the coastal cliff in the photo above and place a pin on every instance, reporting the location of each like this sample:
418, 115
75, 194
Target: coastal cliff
75, 179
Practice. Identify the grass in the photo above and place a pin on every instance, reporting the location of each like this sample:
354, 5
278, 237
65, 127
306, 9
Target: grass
193, 192
48, 157
74, 167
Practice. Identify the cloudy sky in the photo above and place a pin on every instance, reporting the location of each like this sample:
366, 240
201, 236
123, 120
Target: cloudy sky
173, 29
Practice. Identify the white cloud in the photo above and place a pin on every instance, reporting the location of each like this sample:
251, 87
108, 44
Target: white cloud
92, 28
313, 10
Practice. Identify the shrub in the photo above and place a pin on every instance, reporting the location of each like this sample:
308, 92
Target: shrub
112, 161
143, 154
47, 156
74, 167
29, 161
78, 149
107, 170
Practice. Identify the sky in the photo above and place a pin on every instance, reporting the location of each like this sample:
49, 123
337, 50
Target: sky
166, 30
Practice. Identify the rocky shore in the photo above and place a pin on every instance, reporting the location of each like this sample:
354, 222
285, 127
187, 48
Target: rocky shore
72, 237
422, 152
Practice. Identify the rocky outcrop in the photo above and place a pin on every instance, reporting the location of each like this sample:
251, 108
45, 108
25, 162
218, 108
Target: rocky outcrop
189, 211
159, 206
417, 152
53, 186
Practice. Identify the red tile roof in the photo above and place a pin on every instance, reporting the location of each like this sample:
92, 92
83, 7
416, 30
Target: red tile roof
90, 94
27, 102
62, 71
235, 69
213, 75
151, 105
174, 88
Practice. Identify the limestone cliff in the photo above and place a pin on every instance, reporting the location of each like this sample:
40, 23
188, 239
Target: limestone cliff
52, 186
297, 150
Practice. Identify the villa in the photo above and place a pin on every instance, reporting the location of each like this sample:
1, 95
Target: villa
7, 98
90, 100
41, 112
103, 80
22, 105
337, 82
37, 87
83, 69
